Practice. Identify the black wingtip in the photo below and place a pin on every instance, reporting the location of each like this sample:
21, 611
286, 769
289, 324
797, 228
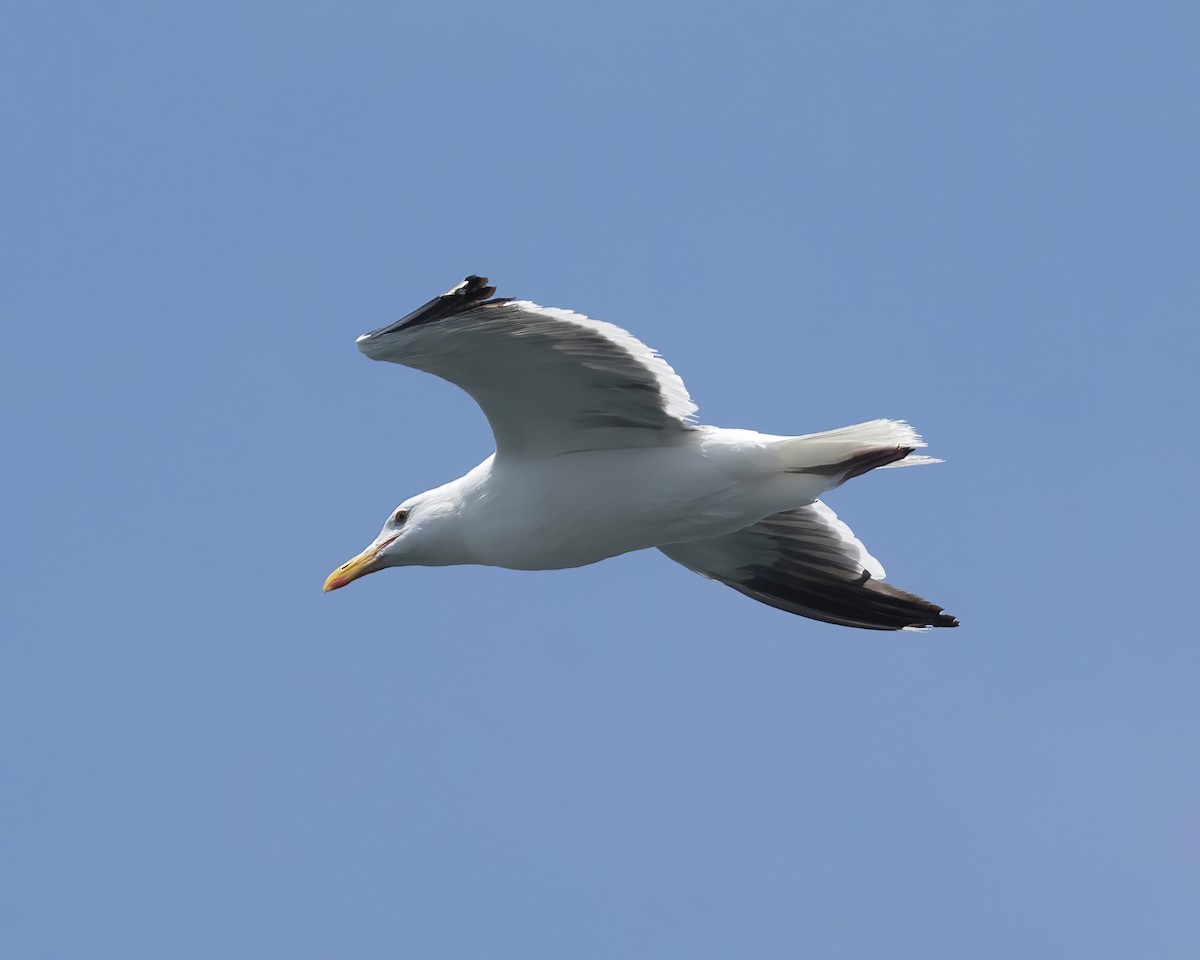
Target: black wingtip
463, 296
473, 289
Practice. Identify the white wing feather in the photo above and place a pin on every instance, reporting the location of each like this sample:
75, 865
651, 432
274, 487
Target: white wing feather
550, 381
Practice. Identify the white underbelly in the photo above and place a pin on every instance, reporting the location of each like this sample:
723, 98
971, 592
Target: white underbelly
582, 508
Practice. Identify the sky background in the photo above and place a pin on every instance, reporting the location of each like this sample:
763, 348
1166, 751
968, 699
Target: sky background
981, 217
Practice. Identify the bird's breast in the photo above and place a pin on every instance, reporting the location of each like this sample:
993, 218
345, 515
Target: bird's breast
577, 509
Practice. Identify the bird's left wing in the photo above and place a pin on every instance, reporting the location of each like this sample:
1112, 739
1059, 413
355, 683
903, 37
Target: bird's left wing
806, 561
549, 381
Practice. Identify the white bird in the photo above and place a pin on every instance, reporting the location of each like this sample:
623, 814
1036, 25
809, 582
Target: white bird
597, 454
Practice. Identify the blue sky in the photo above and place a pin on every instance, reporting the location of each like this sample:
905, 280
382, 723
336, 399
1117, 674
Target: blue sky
978, 217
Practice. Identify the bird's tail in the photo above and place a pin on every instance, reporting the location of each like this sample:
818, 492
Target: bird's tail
851, 451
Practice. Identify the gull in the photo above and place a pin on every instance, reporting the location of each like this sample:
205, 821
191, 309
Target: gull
598, 454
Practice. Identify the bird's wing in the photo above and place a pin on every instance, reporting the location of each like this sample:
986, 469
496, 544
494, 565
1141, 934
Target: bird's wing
549, 381
806, 561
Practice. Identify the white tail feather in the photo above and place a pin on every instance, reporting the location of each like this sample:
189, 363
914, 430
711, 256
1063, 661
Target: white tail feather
837, 446
872, 433
912, 461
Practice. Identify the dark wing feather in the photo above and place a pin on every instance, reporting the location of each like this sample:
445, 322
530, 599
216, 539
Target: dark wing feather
472, 292
808, 562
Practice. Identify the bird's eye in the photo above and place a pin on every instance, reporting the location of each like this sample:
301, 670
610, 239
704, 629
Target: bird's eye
399, 517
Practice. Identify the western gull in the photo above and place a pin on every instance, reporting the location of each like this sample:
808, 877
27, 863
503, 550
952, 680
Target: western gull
598, 454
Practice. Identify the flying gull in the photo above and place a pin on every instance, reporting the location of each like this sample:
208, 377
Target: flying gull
597, 454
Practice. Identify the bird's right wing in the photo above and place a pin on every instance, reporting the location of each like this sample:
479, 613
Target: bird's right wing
807, 562
549, 381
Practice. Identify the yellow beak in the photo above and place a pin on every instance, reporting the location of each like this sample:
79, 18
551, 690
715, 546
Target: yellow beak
360, 566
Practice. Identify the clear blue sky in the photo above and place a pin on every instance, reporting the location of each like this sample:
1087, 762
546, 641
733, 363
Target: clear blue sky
979, 217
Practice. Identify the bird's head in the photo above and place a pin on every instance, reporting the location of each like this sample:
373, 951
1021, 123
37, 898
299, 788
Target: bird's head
405, 539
